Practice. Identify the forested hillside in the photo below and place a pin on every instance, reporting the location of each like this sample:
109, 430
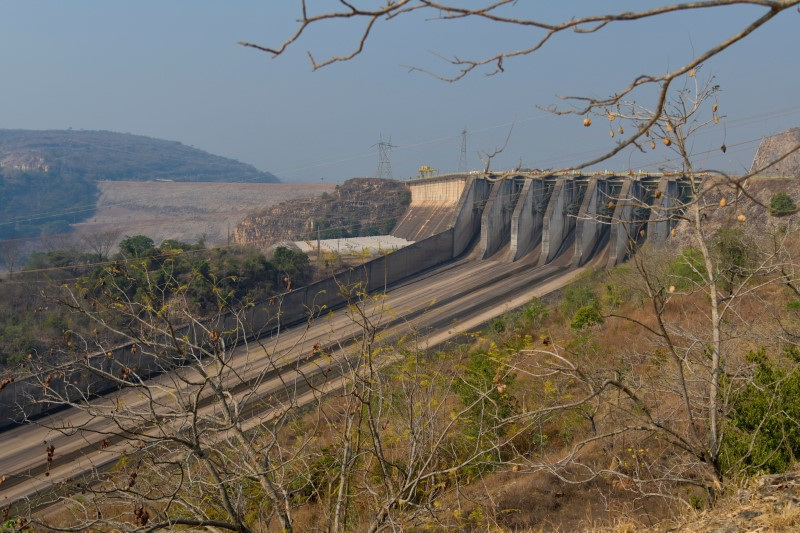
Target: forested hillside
48, 178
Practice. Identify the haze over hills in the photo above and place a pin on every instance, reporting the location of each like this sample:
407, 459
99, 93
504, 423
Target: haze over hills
106, 155
48, 179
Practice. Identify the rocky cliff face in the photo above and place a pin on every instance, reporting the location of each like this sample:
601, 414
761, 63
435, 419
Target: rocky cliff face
360, 206
775, 147
755, 196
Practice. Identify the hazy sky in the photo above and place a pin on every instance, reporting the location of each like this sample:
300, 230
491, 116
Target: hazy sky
172, 69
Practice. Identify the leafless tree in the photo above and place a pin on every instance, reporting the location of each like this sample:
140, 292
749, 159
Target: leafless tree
101, 242
512, 14
233, 434
196, 445
660, 406
11, 253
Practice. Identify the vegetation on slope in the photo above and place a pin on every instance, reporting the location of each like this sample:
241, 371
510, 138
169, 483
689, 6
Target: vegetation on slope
32, 321
37, 203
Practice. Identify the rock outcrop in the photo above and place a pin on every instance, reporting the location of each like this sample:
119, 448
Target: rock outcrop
773, 148
770, 503
358, 207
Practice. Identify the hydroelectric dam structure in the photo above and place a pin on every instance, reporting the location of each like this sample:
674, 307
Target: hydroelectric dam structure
542, 217
483, 244
469, 231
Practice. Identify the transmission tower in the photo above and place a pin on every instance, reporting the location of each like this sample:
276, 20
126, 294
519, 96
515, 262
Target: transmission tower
384, 164
462, 163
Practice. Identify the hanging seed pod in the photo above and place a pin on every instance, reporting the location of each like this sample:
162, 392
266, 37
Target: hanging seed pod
657, 194
652, 144
692, 73
647, 133
620, 130
716, 119
673, 233
741, 218
642, 233
667, 141
723, 148
611, 205
611, 116
723, 202
611, 133
669, 126
587, 122
714, 107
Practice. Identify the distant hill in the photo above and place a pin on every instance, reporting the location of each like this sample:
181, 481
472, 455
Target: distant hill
48, 178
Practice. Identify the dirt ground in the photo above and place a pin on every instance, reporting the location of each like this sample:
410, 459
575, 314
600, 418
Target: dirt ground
186, 211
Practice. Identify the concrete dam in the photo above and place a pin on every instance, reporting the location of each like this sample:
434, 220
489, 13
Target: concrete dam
470, 232
483, 245
542, 217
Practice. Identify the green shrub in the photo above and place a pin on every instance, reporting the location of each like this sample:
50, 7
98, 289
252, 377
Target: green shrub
534, 314
733, 253
688, 269
586, 316
781, 204
478, 387
577, 296
294, 264
136, 246
763, 427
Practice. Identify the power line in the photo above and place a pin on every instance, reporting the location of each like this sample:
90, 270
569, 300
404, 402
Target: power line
462, 162
384, 163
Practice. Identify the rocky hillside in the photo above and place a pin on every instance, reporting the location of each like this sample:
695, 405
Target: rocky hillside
358, 207
754, 198
774, 147
48, 179
769, 503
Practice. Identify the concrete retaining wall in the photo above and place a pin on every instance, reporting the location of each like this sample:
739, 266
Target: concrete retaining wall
446, 191
587, 227
467, 221
526, 222
556, 224
496, 218
432, 208
661, 216
623, 227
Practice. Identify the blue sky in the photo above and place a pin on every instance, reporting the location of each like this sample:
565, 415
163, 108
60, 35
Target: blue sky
172, 69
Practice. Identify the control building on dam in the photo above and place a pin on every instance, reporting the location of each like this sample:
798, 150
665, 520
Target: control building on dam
542, 217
